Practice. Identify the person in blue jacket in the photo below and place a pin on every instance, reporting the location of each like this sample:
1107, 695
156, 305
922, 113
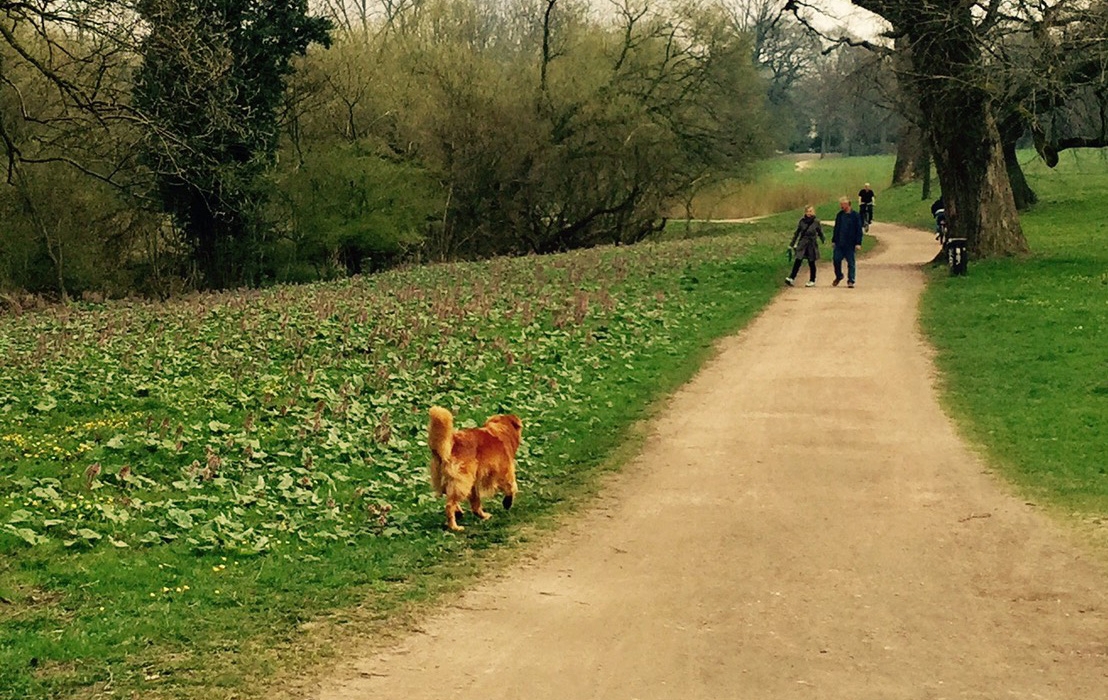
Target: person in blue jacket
846, 238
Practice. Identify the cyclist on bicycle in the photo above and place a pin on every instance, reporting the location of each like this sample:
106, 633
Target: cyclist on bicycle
866, 197
938, 210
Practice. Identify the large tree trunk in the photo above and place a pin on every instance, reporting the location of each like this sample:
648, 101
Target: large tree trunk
1021, 191
926, 167
909, 155
201, 228
912, 159
978, 197
965, 140
217, 243
946, 77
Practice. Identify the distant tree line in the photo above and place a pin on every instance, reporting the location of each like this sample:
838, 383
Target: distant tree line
822, 97
150, 146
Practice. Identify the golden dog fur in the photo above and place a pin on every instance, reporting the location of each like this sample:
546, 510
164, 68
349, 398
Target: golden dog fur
473, 464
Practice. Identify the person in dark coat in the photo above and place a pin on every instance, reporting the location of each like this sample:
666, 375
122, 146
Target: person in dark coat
847, 239
938, 211
806, 245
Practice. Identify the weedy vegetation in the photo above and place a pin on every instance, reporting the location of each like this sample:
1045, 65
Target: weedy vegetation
186, 485
786, 184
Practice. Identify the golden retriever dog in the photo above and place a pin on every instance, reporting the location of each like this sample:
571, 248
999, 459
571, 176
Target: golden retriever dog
473, 464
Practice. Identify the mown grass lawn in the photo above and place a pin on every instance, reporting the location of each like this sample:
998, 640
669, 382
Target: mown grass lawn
185, 486
1023, 343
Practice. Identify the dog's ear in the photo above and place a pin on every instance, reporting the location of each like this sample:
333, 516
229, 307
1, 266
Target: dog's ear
508, 420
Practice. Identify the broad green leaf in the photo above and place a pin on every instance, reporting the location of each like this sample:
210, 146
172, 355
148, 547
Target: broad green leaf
26, 534
179, 518
150, 537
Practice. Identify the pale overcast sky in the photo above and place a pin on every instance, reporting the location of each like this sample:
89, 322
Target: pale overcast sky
839, 13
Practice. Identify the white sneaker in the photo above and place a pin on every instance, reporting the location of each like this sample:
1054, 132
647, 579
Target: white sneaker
789, 281
810, 284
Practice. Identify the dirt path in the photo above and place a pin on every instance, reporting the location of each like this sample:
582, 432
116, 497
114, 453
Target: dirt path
803, 522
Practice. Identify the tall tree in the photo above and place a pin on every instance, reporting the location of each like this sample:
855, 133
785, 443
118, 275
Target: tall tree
945, 40
912, 158
209, 89
1067, 100
66, 146
785, 55
1049, 70
75, 52
981, 72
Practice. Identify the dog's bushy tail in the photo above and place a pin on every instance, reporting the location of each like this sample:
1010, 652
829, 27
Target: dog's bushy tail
440, 438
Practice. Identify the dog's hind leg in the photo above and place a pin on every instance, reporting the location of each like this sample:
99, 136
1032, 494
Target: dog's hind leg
454, 496
509, 488
457, 489
457, 486
436, 475
475, 505
453, 510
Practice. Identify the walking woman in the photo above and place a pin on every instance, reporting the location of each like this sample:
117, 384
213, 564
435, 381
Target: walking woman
806, 245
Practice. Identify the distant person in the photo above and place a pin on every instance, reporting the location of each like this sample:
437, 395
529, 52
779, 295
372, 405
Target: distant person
806, 245
938, 211
866, 198
846, 239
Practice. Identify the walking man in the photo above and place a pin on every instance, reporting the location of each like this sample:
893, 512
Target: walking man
846, 239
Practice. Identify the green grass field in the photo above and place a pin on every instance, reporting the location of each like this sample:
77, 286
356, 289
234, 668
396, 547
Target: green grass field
186, 486
1023, 343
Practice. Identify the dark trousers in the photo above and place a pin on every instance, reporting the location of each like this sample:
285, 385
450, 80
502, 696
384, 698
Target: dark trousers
811, 269
844, 253
866, 210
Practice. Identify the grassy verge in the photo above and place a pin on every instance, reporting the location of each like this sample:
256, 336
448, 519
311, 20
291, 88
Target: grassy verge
1021, 342
186, 488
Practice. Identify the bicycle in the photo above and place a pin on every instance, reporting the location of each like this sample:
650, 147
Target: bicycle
942, 232
866, 210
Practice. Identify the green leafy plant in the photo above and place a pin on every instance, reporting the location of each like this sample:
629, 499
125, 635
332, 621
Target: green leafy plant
210, 473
